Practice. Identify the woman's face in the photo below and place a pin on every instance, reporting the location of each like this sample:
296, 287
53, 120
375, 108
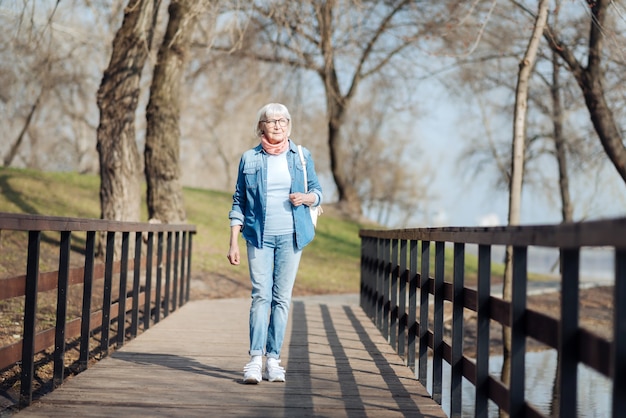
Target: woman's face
276, 128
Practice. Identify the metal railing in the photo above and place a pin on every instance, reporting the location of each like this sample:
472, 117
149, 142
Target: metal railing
159, 282
397, 288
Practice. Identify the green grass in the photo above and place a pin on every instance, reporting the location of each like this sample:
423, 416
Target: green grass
330, 264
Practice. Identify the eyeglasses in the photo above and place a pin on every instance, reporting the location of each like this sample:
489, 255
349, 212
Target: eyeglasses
272, 122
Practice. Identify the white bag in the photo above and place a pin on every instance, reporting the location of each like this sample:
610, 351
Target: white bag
313, 211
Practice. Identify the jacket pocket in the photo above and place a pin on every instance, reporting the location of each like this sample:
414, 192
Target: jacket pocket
251, 173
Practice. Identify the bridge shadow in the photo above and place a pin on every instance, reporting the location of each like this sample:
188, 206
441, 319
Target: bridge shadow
355, 404
299, 348
401, 395
177, 363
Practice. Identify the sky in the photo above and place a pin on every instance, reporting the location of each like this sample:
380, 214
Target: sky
475, 203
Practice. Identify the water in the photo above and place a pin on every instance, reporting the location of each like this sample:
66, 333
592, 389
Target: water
597, 267
594, 389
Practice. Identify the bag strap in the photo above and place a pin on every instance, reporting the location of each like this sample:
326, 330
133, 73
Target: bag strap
306, 188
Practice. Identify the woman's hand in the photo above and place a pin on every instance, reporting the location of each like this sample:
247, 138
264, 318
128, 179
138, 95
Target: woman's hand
234, 256
298, 199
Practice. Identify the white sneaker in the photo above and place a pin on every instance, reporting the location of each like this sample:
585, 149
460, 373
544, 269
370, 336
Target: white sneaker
274, 372
252, 370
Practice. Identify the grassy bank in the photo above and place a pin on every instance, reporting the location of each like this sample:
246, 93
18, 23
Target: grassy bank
329, 265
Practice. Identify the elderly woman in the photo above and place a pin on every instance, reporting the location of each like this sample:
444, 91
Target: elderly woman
271, 210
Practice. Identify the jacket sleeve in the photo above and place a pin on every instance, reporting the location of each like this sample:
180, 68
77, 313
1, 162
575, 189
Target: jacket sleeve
239, 198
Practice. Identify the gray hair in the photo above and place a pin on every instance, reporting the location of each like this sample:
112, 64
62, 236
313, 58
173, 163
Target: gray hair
272, 110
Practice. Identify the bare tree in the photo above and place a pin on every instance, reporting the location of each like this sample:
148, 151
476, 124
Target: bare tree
560, 142
221, 95
10, 156
382, 160
556, 129
517, 171
344, 43
120, 163
162, 149
591, 80
46, 88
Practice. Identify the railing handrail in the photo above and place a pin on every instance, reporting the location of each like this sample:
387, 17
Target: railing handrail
26, 222
168, 249
397, 287
566, 235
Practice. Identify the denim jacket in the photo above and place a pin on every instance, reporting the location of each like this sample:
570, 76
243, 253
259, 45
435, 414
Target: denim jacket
249, 200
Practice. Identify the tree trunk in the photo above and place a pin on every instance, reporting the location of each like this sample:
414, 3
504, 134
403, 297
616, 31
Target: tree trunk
517, 171
567, 211
349, 200
118, 95
162, 151
8, 159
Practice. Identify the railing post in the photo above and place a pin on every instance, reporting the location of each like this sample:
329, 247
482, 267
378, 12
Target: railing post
380, 274
61, 314
159, 276
85, 323
440, 256
121, 303
423, 324
567, 352
412, 319
148, 287
518, 335
106, 303
175, 270
30, 317
402, 314
371, 277
181, 296
189, 252
363, 272
367, 277
458, 306
393, 300
386, 286
168, 270
134, 324
483, 318
619, 335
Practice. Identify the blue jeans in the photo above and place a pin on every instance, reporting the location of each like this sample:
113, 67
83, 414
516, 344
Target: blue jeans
273, 271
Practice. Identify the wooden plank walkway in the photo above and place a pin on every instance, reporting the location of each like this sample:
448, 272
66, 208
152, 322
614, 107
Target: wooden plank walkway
190, 365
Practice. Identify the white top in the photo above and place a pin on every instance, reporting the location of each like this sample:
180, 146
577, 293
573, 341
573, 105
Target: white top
278, 215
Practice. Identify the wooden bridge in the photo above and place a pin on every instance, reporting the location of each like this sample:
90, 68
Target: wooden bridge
357, 357
190, 365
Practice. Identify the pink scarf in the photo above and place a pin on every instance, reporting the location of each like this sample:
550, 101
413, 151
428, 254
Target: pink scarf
274, 149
